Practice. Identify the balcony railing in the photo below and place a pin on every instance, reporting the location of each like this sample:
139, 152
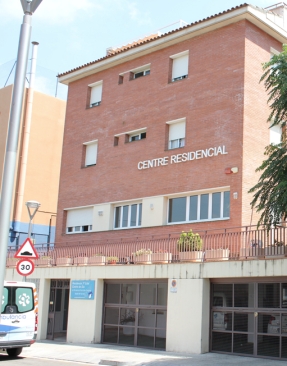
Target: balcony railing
224, 244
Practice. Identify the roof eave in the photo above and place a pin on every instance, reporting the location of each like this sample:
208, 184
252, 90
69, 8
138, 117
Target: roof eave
248, 12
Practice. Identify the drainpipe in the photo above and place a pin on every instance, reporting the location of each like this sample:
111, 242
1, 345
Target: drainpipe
26, 138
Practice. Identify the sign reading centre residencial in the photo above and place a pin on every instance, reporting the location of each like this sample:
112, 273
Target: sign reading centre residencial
83, 290
182, 158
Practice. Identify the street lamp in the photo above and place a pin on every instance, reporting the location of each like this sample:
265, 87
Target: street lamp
32, 207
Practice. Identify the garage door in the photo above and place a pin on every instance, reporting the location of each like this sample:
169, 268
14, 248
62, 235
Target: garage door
135, 314
249, 319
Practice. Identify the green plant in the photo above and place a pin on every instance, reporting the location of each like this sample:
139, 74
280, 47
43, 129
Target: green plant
189, 242
279, 243
127, 317
113, 259
142, 252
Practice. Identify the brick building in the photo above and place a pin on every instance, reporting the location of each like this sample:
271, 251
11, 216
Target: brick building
165, 134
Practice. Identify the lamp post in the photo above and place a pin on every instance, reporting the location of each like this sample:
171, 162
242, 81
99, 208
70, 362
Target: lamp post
32, 207
8, 177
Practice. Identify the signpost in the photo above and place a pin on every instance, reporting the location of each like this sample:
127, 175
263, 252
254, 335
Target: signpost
26, 252
25, 267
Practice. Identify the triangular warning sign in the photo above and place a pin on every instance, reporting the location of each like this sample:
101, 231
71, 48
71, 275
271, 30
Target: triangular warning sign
27, 250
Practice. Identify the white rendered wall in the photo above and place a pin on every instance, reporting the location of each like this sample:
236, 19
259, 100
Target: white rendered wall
152, 211
102, 217
186, 331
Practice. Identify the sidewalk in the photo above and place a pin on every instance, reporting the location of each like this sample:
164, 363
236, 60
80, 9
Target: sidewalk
99, 354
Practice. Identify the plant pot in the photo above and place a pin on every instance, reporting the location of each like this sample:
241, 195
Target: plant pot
43, 262
81, 261
142, 259
98, 260
161, 257
196, 256
252, 253
129, 330
112, 262
64, 261
217, 254
11, 262
275, 251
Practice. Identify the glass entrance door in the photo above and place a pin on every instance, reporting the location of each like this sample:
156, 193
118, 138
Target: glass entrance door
135, 314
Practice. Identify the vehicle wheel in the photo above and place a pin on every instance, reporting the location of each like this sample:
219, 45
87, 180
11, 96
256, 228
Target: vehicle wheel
14, 352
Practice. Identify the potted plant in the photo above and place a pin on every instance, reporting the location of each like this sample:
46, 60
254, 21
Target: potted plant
81, 260
277, 250
97, 259
254, 251
189, 246
128, 318
44, 260
142, 256
161, 256
221, 254
64, 261
112, 260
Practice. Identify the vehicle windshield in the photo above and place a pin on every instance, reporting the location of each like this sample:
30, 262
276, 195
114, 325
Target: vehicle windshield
21, 298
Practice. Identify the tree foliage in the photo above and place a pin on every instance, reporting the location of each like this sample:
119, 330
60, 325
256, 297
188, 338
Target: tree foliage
270, 193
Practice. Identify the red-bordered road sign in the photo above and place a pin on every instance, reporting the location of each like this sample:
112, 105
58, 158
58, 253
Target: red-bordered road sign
27, 250
25, 267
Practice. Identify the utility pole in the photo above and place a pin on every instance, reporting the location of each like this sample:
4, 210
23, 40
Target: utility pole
29, 7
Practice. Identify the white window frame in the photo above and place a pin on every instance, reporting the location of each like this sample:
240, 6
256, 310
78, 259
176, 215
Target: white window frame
121, 206
179, 142
89, 143
199, 194
81, 218
75, 230
177, 56
139, 134
94, 85
145, 70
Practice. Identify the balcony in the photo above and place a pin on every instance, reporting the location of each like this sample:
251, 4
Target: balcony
233, 244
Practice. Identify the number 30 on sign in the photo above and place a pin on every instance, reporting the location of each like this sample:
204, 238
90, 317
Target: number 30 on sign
25, 267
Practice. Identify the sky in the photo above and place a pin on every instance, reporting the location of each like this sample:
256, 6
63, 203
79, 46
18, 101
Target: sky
74, 32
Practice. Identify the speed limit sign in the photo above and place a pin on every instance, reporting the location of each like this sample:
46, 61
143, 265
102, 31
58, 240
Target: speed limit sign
25, 267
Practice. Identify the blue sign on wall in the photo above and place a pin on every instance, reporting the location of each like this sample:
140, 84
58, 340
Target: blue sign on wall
83, 290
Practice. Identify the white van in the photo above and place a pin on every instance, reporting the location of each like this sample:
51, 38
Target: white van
19, 317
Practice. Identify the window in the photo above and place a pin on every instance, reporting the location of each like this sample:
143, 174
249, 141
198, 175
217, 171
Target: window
80, 220
176, 133
200, 207
138, 136
127, 216
139, 72
135, 135
179, 66
96, 93
275, 135
91, 153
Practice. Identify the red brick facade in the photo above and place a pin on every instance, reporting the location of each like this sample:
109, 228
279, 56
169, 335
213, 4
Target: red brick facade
223, 104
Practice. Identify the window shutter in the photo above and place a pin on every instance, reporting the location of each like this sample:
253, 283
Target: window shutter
177, 131
91, 154
79, 217
275, 135
96, 94
180, 66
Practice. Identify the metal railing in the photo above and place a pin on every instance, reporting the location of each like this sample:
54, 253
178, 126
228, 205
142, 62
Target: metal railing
219, 244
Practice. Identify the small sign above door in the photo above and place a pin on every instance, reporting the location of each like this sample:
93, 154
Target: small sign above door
82, 290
